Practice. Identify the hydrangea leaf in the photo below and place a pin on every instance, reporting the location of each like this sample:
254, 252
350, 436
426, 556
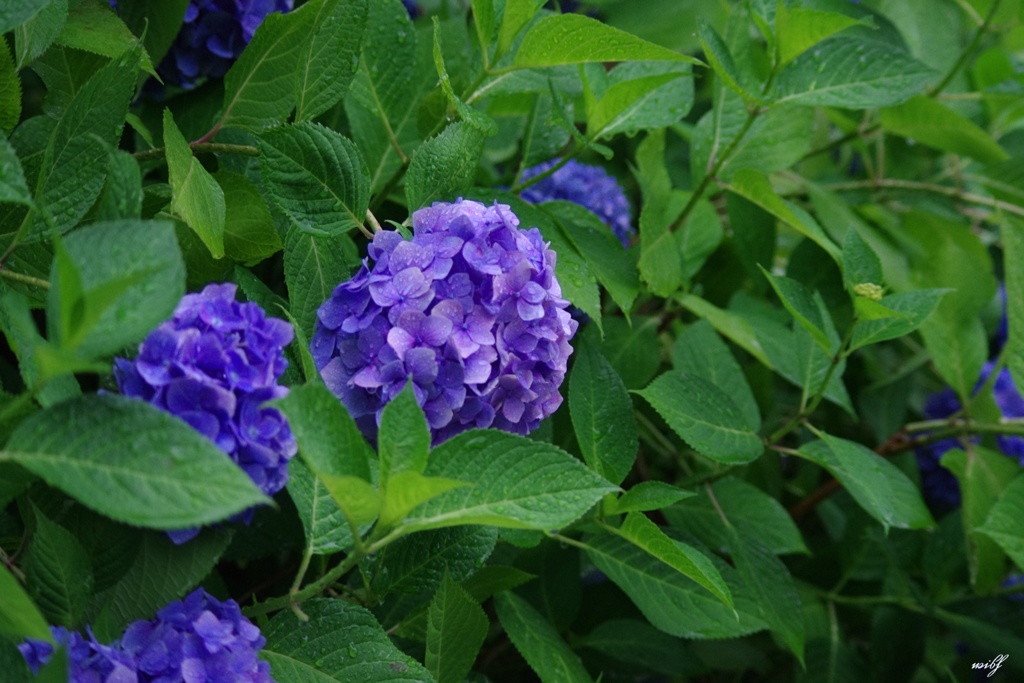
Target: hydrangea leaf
802, 306
249, 232
672, 602
160, 572
330, 58
33, 37
483, 20
13, 187
602, 415
75, 163
705, 417
860, 262
327, 532
577, 39
10, 100
752, 513
720, 58
638, 103
1012, 233
517, 15
728, 324
313, 267
852, 73
404, 437
131, 462
631, 349
1004, 521
909, 310
350, 645
516, 483
19, 616
93, 26
157, 21
406, 489
316, 176
456, 627
122, 195
798, 29
876, 484
930, 122
17, 13
700, 351
444, 167
195, 196
647, 496
58, 572
635, 642
538, 642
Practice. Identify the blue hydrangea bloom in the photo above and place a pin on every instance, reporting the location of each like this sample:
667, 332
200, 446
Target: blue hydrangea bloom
213, 34
214, 364
589, 186
940, 486
196, 640
88, 660
469, 309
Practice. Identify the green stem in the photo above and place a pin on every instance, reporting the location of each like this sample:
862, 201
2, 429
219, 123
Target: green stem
966, 54
914, 185
310, 591
24, 279
202, 148
516, 189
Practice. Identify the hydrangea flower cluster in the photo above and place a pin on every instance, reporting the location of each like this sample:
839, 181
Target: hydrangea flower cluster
469, 309
589, 186
194, 640
940, 486
214, 364
213, 34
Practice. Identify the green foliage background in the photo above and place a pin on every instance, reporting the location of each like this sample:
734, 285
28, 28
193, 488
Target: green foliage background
828, 195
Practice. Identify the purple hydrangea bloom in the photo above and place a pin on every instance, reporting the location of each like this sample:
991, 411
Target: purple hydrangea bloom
88, 660
589, 186
470, 309
196, 640
214, 364
940, 486
212, 35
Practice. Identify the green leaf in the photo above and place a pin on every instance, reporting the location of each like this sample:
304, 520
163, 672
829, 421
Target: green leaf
720, 59
484, 21
331, 444
131, 462
516, 483
34, 36
404, 436
802, 306
58, 573
416, 565
927, 121
195, 196
14, 14
909, 310
260, 87
705, 417
577, 39
852, 73
754, 185
689, 562
249, 232
19, 617
122, 195
407, 489
12, 184
752, 513
602, 415
669, 600
983, 476
798, 29
517, 15
327, 531
730, 325
444, 167
600, 248
313, 267
331, 56
637, 643
479, 120
646, 496
75, 163
350, 645
132, 278
316, 176
538, 641
861, 264
876, 484
161, 572
640, 96
456, 627
93, 26
158, 21
1012, 232
773, 589
10, 97
1005, 521
700, 351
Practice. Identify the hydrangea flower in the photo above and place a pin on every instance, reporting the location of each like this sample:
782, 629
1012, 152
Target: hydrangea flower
212, 35
589, 186
469, 309
940, 486
196, 640
214, 364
